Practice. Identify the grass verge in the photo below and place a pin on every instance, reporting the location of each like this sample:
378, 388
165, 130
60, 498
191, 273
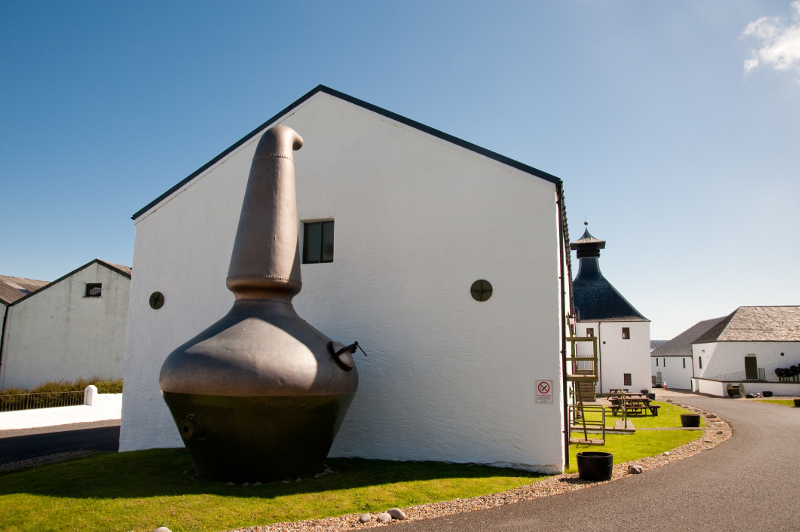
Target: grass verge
140, 491
784, 402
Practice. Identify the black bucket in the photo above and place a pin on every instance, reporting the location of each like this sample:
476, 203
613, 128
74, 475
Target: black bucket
690, 420
595, 465
797, 402
651, 396
766, 393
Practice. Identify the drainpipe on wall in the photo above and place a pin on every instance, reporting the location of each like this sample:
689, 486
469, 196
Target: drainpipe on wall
2, 340
561, 261
600, 357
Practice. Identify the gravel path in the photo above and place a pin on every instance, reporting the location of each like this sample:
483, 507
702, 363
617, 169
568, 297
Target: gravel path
716, 432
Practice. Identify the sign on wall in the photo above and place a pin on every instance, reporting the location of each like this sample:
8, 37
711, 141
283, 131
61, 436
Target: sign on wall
544, 392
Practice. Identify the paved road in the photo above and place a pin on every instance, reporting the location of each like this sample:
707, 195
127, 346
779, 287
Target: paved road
750, 482
23, 444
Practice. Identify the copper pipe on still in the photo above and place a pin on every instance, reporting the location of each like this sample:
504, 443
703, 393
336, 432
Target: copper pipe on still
261, 394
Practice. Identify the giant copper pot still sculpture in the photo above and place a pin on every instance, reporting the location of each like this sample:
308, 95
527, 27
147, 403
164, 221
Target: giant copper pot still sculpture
260, 394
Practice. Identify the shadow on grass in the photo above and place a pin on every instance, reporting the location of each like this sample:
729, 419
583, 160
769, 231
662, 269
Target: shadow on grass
161, 472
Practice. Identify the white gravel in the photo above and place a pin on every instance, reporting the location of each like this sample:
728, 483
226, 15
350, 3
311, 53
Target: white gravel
716, 432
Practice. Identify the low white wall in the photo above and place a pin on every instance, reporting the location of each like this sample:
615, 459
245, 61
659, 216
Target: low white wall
717, 388
722, 358
58, 334
417, 221
720, 388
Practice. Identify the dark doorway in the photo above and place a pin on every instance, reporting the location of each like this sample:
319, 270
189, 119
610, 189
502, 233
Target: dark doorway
750, 367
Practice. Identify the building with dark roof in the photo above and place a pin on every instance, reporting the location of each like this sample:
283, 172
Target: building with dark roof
418, 218
623, 333
74, 327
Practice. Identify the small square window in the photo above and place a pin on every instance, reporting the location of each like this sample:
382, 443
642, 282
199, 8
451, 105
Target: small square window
589, 331
317, 242
626, 379
626, 333
93, 289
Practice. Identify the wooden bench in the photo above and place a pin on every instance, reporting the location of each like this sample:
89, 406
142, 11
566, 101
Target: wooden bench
636, 409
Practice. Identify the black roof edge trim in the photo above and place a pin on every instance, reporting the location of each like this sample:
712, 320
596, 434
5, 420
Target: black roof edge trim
374, 108
73, 272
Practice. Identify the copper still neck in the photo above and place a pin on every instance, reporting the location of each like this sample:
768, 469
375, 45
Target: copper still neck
265, 263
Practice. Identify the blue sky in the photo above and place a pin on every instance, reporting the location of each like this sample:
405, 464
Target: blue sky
674, 125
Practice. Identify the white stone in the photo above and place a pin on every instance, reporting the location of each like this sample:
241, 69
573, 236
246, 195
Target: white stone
666, 453
635, 469
396, 513
162, 529
365, 518
384, 517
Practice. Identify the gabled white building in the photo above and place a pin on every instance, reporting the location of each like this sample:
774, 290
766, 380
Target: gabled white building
747, 347
74, 327
446, 261
673, 363
623, 334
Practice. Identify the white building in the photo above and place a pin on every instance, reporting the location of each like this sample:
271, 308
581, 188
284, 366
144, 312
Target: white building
747, 347
623, 334
419, 217
672, 362
74, 327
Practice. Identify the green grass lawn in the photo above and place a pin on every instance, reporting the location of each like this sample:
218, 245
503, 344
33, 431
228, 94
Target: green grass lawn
146, 489
784, 402
669, 415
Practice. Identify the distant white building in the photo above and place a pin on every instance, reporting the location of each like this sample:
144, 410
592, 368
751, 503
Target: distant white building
747, 347
672, 362
623, 334
446, 261
74, 327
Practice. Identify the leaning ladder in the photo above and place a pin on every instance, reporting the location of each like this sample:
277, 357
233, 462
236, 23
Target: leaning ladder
578, 410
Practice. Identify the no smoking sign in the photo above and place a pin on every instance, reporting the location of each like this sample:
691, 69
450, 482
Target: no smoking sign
544, 392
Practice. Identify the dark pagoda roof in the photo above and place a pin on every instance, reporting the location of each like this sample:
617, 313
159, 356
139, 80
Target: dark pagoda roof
595, 298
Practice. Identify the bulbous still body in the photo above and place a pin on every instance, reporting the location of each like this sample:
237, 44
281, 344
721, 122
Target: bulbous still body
261, 394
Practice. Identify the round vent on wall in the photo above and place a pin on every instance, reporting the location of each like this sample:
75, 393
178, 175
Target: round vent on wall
481, 290
156, 300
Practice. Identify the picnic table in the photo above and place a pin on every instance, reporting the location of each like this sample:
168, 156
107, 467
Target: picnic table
634, 404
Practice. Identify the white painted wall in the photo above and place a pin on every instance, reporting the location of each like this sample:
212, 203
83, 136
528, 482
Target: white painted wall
417, 221
619, 356
58, 334
676, 371
722, 358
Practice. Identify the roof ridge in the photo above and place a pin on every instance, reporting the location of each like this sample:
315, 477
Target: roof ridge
365, 105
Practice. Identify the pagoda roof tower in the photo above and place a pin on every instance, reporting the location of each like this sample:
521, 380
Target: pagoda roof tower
595, 298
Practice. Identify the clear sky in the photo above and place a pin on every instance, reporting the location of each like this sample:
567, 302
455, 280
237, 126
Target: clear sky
675, 126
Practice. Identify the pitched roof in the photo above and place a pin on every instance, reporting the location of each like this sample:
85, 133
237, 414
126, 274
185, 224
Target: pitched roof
122, 270
14, 288
681, 345
756, 324
355, 101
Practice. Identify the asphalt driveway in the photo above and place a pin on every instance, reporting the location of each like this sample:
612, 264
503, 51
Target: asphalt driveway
749, 482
